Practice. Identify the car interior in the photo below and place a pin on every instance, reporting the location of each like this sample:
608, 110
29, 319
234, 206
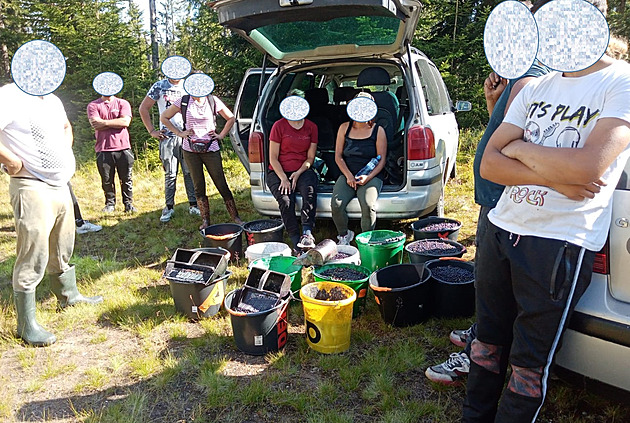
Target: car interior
328, 89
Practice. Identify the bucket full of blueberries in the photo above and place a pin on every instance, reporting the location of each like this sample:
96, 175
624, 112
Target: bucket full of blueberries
453, 287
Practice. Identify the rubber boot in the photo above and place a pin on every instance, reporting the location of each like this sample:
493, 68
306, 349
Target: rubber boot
230, 205
64, 286
204, 210
27, 327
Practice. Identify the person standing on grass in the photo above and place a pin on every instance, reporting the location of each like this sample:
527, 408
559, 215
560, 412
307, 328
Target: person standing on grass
201, 141
164, 93
536, 255
292, 148
36, 151
83, 226
110, 117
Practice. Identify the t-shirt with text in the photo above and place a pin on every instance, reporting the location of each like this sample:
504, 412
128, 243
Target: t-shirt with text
110, 139
294, 143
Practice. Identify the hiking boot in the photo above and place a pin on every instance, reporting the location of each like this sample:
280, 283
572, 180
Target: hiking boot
194, 210
88, 227
167, 214
307, 241
460, 337
453, 370
345, 239
108, 209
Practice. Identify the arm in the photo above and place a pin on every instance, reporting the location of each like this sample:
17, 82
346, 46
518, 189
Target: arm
10, 160
100, 124
165, 118
493, 87
516, 88
274, 152
339, 145
145, 116
67, 129
381, 150
229, 122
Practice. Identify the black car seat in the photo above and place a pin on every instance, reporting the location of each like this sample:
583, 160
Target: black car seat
319, 111
388, 106
341, 97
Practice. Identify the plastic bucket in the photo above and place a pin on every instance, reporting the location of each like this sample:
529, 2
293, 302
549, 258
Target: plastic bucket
380, 248
258, 333
214, 250
359, 286
266, 249
282, 264
328, 322
452, 299
429, 252
273, 232
225, 235
443, 228
403, 293
353, 255
197, 300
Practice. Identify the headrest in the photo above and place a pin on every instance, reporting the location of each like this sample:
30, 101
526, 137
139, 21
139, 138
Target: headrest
373, 76
316, 96
344, 94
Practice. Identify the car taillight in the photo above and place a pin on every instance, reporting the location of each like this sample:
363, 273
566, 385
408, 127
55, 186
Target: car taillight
601, 261
256, 153
420, 143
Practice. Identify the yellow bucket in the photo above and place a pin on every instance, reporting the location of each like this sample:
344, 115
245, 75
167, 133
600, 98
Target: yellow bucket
328, 321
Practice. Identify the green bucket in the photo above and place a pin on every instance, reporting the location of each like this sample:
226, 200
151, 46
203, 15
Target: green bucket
359, 286
282, 264
380, 248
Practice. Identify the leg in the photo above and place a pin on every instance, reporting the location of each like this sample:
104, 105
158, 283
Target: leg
286, 203
214, 166
341, 196
107, 170
307, 187
169, 164
195, 165
367, 196
78, 219
178, 153
124, 166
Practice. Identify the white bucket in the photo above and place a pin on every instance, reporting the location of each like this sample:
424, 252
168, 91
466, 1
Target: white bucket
354, 258
266, 249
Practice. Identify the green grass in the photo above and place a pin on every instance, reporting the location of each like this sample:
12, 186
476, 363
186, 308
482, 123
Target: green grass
134, 359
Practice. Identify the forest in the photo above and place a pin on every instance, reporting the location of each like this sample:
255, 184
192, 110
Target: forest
108, 35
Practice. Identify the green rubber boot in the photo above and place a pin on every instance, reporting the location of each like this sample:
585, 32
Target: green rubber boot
64, 286
27, 327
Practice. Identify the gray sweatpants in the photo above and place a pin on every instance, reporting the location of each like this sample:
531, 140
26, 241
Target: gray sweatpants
367, 196
172, 157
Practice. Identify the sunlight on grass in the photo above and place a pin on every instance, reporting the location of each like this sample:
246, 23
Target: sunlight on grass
99, 338
146, 365
117, 363
94, 378
54, 368
26, 357
171, 367
132, 409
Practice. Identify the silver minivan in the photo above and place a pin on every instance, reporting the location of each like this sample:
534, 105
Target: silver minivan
331, 50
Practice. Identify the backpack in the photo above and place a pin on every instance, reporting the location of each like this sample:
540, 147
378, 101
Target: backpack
199, 146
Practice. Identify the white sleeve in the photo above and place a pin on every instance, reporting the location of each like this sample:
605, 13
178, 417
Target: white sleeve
517, 113
616, 104
5, 109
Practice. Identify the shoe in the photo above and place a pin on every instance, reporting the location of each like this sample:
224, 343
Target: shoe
345, 239
167, 214
460, 337
108, 209
88, 227
194, 210
306, 242
129, 208
453, 370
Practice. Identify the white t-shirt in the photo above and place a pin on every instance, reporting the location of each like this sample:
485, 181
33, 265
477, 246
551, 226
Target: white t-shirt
558, 111
33, 129
164, 94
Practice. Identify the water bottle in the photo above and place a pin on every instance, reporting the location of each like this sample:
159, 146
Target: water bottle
369, 167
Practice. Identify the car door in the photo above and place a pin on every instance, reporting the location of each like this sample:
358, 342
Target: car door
244, 107
619, 240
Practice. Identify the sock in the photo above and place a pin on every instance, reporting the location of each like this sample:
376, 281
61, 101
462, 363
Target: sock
79, 222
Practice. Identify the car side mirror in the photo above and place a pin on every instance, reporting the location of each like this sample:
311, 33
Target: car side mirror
462, 106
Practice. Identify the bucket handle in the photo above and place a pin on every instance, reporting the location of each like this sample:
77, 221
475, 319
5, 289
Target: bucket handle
280, 313
453, 258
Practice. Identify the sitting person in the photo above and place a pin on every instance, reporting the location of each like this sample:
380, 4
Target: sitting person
357, 144
292, 149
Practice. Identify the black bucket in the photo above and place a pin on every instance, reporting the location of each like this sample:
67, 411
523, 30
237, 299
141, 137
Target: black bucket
215, 250
258, 333
436, 227
273, 231
452, 299
198, 300
225, 235
403, 293
449, 249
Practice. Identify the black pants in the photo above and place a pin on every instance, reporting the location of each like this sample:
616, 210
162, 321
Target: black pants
110, 162
214, 165
78, 219
527, 288
307, 188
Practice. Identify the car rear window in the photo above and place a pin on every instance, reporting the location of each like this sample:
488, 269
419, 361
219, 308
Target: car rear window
362, 31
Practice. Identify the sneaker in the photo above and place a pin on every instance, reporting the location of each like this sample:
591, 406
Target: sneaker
460, 337
108, 209
194, 210
129, 208
453, 370
345, 239
88, 227
167, 214
306, 242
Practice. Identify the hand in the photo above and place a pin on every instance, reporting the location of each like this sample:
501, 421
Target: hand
351, 181
12, 166
158, 134
98, 124
285, 186
184, 134
493, 87
362, 180
579, 192
511, 150
294, 178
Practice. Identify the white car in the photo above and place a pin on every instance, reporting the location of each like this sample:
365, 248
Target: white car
331, 50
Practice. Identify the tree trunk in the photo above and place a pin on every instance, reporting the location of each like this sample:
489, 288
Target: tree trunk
153, 26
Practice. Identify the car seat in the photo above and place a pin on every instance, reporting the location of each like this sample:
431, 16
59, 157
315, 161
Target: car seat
319, 110
388, 106
341, 97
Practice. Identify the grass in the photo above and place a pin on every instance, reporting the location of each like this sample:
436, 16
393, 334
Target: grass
134, 359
